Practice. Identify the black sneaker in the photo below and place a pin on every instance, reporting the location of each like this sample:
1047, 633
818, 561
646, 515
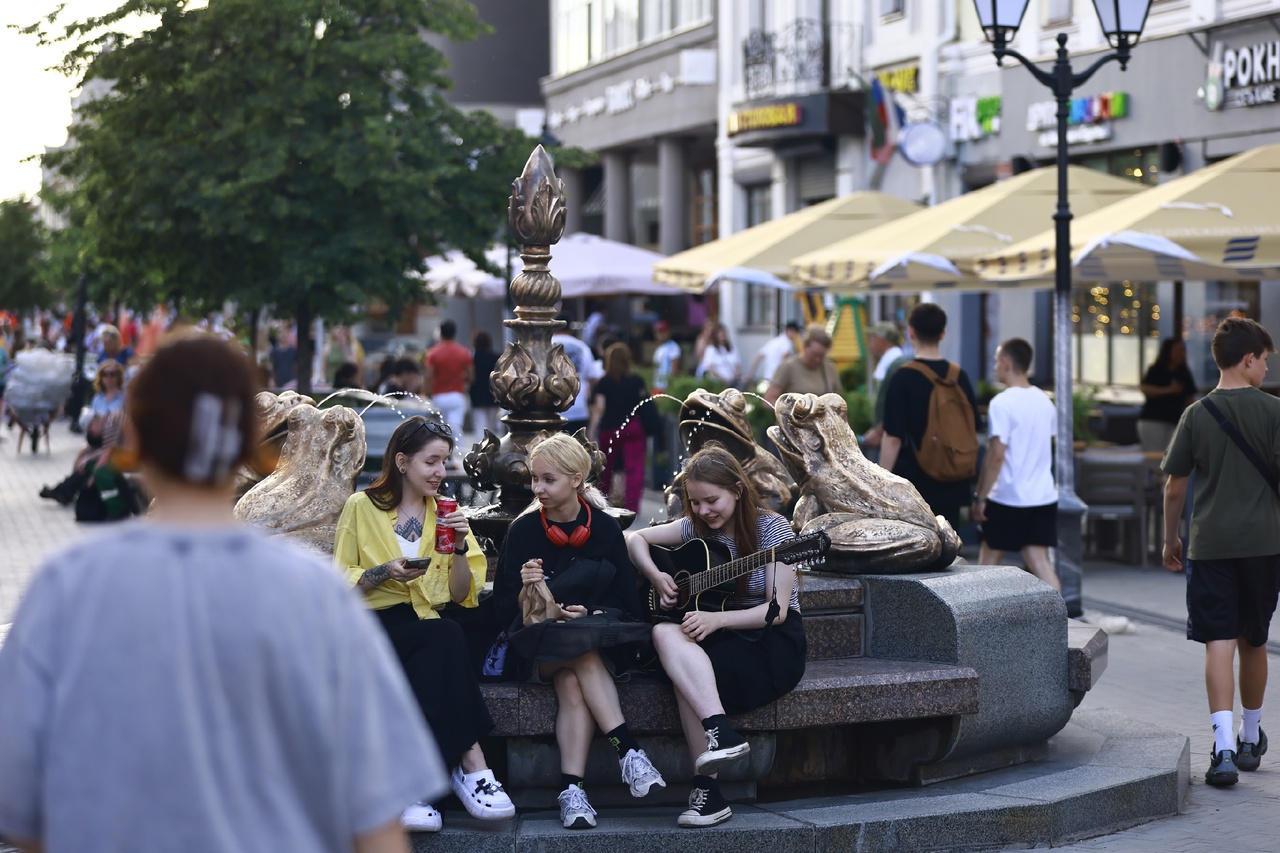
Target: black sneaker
1249, 755
723, 745
1222, 769
707, 807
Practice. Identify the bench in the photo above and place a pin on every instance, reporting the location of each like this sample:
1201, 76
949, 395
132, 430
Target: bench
858, 714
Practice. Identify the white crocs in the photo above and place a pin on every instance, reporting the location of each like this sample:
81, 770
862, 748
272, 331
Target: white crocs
482, 795
421, 817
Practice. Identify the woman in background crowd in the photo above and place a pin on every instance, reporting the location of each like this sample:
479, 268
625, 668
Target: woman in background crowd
720, 360
1168, 388
615, 425
484, 408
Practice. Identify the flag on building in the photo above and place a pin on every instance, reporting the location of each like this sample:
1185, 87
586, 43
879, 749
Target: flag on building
884, 118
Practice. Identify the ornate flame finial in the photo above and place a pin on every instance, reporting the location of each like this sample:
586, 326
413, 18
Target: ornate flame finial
537, 210
533, 378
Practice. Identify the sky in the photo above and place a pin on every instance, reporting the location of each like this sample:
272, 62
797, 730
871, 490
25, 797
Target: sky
35, 104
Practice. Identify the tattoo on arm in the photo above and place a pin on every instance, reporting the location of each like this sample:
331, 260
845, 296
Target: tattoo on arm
410, 529
377, 575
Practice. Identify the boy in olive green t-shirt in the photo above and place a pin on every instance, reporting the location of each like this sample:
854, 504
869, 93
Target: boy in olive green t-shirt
1233, 557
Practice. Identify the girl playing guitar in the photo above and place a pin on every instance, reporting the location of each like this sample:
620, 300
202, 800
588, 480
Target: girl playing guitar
731, 661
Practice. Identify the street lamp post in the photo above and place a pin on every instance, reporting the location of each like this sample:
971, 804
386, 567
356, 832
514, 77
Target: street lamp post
1122, 22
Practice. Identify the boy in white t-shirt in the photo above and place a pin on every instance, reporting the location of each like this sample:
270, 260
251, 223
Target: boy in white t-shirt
1017, 501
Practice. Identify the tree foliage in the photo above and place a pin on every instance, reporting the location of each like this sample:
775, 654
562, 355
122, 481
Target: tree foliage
23, 244
295, 153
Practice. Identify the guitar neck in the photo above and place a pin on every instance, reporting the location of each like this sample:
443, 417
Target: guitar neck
731, 570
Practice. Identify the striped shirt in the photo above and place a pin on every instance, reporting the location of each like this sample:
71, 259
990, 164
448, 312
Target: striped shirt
772, 530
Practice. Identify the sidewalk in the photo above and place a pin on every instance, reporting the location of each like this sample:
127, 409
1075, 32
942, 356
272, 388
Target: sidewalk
1154, 675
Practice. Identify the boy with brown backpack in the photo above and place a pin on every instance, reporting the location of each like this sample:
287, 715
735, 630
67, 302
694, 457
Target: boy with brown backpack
930, 421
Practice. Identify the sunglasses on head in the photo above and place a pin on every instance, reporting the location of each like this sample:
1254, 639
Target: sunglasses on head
441, 430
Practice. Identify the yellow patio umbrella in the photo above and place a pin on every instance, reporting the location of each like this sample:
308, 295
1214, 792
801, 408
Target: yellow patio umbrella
762, 254
1217, 223
937, 248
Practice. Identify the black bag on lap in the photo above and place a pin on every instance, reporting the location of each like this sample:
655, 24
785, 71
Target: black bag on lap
583, 582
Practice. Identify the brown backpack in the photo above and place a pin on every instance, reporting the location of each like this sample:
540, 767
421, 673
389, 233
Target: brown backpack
949, 451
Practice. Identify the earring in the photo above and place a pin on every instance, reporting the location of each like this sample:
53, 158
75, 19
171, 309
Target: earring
403, 470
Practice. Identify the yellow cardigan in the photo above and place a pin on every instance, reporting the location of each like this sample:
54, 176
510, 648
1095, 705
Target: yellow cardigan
366, 538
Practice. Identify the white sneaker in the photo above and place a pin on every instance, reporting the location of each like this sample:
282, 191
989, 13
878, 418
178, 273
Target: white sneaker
638, 772
421, 817
482, 795
575, 811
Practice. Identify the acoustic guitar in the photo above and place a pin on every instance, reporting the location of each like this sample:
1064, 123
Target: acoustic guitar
705, 573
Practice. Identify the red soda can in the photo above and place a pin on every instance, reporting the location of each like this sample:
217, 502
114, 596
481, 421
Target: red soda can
444, 533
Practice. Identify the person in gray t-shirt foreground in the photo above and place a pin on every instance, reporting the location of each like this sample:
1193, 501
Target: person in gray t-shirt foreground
187, 684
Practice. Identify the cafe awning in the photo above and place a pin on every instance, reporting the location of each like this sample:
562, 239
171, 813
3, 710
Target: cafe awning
1217, 223
762, 254
937, 248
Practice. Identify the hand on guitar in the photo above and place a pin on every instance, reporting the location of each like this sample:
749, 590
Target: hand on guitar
700, 624
665, 586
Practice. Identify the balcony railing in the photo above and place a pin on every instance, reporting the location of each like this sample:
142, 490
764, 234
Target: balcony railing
806, 56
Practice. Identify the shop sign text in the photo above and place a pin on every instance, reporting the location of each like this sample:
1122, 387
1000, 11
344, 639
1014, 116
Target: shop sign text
1243, 77
764, 118
974, 118
616, 99
901, 79
1090, 110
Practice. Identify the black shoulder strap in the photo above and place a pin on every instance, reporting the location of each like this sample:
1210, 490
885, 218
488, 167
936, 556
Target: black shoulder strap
1234, 434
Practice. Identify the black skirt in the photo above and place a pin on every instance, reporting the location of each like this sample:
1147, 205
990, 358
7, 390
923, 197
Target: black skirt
754, 668
434, 655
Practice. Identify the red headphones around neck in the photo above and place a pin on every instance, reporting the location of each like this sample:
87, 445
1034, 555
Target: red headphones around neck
577, 538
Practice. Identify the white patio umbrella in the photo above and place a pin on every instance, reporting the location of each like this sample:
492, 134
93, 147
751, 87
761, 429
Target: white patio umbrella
585, 264
454, 274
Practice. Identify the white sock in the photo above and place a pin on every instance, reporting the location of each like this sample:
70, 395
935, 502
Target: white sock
1223, 731
1249, 725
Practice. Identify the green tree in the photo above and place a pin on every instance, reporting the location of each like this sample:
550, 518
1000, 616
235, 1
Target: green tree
23, 245
293, 153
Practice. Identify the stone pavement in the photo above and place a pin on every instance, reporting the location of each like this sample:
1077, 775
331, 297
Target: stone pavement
1154, 675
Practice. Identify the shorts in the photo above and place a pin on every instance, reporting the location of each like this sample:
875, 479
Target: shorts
1232, 598
1012, 528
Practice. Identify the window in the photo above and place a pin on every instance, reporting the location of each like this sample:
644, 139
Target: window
1116, 325
587, 31
893, 8
762, 302
1057, 11
1117, 332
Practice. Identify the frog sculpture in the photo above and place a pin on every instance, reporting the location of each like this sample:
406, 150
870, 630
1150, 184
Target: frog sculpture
877, 521
302, 498
722, 417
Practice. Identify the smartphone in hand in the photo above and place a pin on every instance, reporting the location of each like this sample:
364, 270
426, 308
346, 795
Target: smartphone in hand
417, 563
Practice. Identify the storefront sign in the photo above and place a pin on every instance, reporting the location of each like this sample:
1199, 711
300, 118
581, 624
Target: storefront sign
763, 118
696, 68
1089, 119
974, 118
1243, 77
901, 79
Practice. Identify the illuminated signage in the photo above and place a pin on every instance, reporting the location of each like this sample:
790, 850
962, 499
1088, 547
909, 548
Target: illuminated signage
901, 79
765, 118
1089, 119
1243, 77
974, 118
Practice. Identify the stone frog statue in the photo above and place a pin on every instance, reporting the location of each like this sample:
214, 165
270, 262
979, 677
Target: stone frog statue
706, 417
321, 458
273, 422
877, 521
